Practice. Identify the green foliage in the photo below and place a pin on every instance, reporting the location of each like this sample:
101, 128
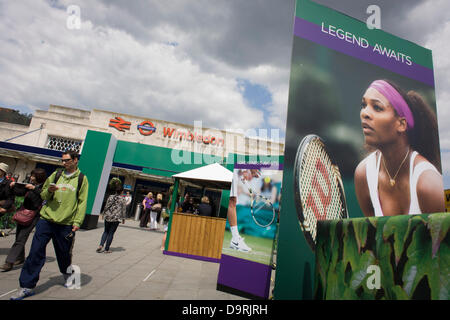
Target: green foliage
14, 116
412, 253
6, 221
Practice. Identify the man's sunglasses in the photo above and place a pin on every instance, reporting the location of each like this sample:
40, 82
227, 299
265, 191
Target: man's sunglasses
65, 160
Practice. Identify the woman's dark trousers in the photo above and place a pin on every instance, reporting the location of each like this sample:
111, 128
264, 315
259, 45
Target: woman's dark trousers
108, 234
17, 252
145, 218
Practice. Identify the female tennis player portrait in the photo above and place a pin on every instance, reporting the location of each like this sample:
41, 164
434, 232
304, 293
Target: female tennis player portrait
402, 174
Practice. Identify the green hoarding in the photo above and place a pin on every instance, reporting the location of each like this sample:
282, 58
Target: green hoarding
334, 60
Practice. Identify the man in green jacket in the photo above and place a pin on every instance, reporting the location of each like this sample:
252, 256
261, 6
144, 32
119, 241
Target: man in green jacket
61, 216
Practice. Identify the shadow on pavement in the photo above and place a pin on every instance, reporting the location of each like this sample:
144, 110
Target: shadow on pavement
58, 281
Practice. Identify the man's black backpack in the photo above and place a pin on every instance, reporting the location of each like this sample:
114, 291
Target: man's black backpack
80, 179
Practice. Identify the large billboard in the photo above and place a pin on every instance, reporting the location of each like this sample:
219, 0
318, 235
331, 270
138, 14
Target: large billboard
370, 98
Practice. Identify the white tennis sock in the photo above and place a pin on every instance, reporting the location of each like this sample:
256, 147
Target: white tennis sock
234, 232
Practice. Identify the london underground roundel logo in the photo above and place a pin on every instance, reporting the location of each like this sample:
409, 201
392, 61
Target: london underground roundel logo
146, 128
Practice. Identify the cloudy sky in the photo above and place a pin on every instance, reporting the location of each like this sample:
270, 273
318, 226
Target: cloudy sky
225, 62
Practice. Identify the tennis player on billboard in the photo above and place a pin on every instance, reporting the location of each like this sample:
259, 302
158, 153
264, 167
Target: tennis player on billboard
237, 242
402, 176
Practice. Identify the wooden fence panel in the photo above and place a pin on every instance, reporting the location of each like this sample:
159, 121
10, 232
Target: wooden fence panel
197, 235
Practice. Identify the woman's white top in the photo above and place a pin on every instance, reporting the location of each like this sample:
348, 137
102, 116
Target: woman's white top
372, 170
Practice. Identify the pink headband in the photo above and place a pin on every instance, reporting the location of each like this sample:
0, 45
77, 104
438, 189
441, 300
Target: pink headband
395, 99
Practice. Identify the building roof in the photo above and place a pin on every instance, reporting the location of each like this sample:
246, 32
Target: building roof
212, 175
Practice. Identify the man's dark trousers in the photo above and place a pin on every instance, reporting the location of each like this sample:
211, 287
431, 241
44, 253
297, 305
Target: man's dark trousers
46, 231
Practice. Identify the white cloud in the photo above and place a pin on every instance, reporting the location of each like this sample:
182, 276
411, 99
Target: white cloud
99, 66
427, 17
441, 59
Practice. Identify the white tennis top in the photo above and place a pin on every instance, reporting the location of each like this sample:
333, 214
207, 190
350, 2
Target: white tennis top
372, 170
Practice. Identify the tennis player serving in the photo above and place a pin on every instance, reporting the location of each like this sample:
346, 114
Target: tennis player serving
402, 175
237, 242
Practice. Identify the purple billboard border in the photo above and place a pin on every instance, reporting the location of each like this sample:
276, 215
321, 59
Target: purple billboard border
245, 275
191, 256
312, 32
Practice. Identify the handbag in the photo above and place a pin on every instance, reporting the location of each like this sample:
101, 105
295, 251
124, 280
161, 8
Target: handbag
157, 207
24, 216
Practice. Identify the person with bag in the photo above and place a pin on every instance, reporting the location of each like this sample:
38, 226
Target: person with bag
155, 210
115, 210
65, 193
6, 194
30, 216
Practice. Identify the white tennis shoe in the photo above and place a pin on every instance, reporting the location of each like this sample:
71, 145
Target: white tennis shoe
22, 293
239, 244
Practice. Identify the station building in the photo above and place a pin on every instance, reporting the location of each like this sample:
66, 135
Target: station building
160, 144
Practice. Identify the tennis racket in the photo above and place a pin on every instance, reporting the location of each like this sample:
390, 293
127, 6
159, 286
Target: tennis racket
261, 208
318, 189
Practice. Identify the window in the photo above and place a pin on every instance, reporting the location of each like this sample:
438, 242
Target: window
63, 144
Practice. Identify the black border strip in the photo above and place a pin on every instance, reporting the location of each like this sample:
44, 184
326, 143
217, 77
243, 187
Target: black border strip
237, 292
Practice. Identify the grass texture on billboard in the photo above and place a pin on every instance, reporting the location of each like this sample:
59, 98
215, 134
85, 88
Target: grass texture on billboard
261, 248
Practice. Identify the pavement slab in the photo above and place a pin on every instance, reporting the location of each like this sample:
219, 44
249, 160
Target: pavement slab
135, 270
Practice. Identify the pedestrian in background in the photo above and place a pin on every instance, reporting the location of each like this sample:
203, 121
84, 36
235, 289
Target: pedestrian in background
115, 211
146, 206
6, 194
32, 201
155, 211
128, 199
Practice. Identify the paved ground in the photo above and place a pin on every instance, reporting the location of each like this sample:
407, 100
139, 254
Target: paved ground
136, 269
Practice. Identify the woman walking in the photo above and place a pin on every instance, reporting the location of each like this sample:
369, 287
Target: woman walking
32, 201
115, 210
